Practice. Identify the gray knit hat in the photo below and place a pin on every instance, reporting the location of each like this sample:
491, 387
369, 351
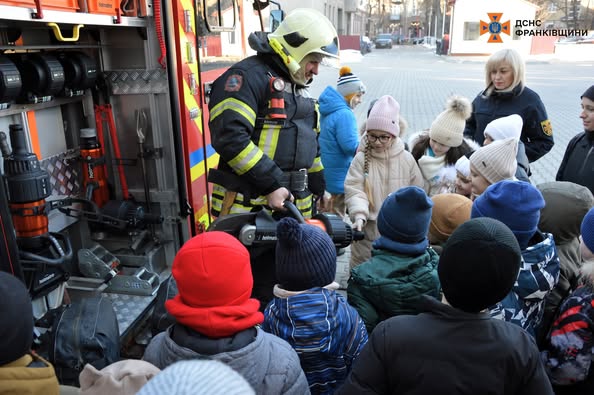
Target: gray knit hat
496, 161
589, 93
197, 377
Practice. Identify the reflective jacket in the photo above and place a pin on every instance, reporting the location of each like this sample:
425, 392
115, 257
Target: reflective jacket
260, 153
537, 132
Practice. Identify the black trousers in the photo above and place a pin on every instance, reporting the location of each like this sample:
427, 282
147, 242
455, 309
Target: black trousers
264, 273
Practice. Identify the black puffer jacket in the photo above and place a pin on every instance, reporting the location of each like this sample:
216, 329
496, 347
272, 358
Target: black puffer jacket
444, 350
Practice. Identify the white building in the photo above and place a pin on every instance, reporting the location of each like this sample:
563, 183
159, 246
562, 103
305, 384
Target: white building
466, 27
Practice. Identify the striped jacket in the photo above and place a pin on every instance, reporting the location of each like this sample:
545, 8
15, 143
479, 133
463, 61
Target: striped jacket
326, 332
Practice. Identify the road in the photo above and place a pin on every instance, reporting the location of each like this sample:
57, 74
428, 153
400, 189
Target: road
422, 81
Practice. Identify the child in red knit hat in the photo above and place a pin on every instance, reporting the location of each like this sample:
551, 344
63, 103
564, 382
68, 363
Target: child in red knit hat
217, 319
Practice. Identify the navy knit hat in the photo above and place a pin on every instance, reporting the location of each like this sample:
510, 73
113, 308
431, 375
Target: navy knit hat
305, 256
515, 203
403, 221
589, 93
587, 230
479, 264
16, 324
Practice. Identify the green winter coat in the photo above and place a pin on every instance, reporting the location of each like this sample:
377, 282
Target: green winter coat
389, 284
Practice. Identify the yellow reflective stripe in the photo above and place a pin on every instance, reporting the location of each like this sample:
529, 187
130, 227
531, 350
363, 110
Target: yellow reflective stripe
316, 166
269, 139
246, 159
305, 206
235, 105
218, 192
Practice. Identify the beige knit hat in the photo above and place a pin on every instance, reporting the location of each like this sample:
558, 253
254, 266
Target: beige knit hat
124, 377
496, 161
450, 210
448, 127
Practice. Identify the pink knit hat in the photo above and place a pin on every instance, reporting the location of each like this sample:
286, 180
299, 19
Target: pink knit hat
385, 115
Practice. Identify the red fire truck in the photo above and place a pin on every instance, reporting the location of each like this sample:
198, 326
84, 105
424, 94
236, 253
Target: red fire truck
105, 143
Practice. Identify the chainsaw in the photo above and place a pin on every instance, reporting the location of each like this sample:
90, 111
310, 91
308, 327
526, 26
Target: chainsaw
259, 228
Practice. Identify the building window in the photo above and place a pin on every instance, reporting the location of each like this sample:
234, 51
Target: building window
471, 31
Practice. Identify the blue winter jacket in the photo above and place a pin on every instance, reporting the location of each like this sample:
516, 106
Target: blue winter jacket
539, 274
326, 332
338, 139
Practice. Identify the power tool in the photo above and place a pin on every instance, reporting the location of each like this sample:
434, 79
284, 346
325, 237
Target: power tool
44, 255
259, 228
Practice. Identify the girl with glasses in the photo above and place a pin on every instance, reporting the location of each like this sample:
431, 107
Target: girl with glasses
381, 167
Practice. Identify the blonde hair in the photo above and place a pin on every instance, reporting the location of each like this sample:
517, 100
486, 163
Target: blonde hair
366, 183
514, 59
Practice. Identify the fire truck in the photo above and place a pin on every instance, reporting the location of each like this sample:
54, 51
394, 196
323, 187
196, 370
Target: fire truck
105, 144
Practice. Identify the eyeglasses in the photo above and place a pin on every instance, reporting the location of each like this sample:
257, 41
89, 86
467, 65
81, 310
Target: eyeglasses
383, 138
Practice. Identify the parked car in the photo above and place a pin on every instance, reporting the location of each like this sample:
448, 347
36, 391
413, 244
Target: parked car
397, 38
417, 40
365, 45
383, 40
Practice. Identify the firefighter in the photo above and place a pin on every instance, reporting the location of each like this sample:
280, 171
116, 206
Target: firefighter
264, 125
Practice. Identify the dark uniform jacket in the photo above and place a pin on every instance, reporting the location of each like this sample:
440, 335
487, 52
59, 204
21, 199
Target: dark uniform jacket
577, 165
537, 133
444, 350
260, 153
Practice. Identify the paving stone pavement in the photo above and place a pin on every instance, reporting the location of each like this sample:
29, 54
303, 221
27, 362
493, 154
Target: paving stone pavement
422, 81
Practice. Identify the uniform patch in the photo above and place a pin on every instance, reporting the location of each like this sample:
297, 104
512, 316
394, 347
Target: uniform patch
233, 83
546, 127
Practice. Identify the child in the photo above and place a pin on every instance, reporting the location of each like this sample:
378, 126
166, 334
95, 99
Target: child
383, 167
453, 347
517, 204
492, 163
21, 371
506, 127
217, 319
450, 210
569, 353
463, 178
307, 312
402, 267
566, 204
339, 137
437, 151
198, 376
